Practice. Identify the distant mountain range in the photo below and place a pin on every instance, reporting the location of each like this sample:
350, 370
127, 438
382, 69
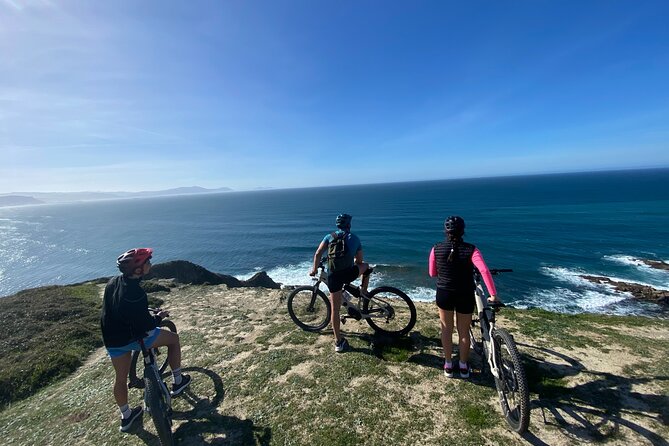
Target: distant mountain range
26, 198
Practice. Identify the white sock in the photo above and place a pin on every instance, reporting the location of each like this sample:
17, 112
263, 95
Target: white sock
176, 375
448, 363
463, 365
125, 411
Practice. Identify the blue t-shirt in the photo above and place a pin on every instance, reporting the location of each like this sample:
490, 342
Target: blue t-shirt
353, 245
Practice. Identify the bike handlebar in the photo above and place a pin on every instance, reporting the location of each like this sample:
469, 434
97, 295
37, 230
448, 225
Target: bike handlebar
496, 271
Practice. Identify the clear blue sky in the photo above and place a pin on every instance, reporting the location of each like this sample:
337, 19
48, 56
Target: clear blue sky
144, 95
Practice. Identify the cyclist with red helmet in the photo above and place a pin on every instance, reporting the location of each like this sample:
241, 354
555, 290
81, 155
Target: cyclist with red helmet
126, 318
345, 269
452, 262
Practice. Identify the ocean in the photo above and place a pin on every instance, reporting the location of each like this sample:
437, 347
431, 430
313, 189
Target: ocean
549, 229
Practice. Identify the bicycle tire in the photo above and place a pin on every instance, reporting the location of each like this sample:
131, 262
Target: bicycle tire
512, 386
407, 314
159, 409
311, 312
133, 378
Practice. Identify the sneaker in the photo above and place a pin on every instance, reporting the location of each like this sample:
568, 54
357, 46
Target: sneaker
126, 423
464, 371
341, 346
178, 388
448, 370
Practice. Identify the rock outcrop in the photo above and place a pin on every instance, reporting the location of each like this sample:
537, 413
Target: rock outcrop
642, 292
186, 272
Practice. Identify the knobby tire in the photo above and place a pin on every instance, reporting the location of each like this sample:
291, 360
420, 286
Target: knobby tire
310, 312
158, 407
133, 378
401, 305
512, 385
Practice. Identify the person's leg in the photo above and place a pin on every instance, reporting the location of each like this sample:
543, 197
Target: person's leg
446, 323
464, 321
335, 301
121, 368
170, 340
362, 269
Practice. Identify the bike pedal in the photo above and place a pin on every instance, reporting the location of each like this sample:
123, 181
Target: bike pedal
343, 320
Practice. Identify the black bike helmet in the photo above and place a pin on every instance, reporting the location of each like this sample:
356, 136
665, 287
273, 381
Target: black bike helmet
454, 225
343, 221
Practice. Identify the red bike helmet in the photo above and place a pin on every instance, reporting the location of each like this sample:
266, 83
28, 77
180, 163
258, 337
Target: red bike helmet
134, 258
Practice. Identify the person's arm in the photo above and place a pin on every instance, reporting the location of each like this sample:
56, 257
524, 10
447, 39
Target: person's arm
359, 257
432, 264
480, 265
317, 257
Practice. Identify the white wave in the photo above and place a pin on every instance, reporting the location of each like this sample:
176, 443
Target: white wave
573, 277
286, 274
421, 294
563, 300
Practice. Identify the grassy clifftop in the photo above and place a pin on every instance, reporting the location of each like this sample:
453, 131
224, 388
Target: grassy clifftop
260, 380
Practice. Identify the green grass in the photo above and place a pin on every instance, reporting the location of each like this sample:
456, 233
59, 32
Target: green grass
45, 334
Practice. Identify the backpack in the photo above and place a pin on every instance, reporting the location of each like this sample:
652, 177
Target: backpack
337, 253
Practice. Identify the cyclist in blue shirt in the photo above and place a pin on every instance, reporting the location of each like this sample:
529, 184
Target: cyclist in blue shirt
348, 268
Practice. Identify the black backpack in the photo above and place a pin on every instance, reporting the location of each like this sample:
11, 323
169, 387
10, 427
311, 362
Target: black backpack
337, 252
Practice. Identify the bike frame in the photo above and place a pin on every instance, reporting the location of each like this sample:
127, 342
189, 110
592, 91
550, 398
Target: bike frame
487, 324
150, 367
353, 290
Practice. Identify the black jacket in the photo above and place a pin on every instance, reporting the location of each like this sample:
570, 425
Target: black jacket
458, 275
125, 312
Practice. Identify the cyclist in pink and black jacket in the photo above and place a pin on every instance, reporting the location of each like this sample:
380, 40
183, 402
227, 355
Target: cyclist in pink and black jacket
452, 262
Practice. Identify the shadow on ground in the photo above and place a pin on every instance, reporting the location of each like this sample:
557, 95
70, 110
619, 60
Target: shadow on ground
595, 410
204, 425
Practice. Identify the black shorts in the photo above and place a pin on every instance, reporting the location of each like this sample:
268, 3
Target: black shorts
456, 301
337, 279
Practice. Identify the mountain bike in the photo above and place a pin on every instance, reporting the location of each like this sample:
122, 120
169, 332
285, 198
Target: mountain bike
134, 377
386, 309
499, 349
157, 399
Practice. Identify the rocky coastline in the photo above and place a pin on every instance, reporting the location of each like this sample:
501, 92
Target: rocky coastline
638, 291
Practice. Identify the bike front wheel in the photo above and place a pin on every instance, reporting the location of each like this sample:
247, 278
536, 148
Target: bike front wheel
512, 383
157, 401
390, 311
309, 308
158, 352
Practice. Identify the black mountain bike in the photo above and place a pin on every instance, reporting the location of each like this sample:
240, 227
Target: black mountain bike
157, 399
386, 309
499, 349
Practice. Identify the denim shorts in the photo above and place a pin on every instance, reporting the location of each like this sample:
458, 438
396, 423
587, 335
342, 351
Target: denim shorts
115, 352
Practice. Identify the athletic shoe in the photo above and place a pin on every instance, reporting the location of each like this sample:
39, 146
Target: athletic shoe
178, 388
448, 370
341, 346
464, 371
126, 423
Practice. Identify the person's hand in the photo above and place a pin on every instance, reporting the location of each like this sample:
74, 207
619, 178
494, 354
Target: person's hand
493, 298
313, 272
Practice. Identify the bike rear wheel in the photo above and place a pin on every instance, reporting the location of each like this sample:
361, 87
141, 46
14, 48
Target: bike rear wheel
512, 383
158, 404
392, 312
309, 308
158, 352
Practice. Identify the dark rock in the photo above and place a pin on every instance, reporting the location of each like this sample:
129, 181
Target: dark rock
182, 271
657, 264
262, 280
642, 292
152, 286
